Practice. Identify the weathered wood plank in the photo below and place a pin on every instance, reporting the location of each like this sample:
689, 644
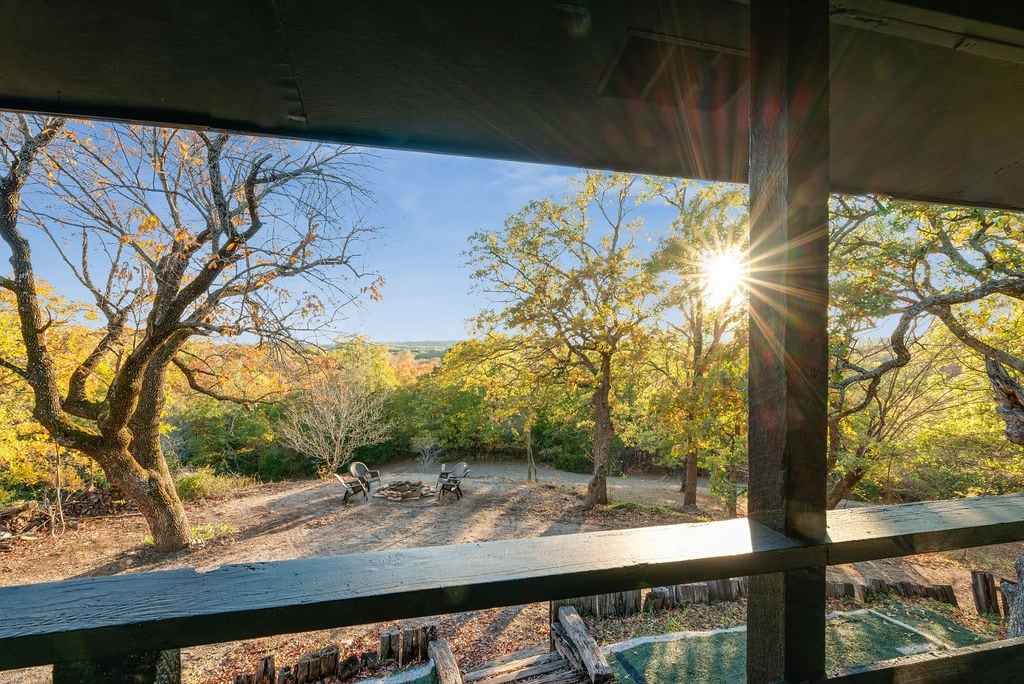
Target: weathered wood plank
390, 645
999, 661
593, 660
565, 647
499, 668
519, 674
445, 667
788, 346
858, 534
142, 612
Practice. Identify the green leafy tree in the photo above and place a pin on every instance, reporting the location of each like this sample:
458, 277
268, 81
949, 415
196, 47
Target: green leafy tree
515, 395
705, 252
568, 280
174, 234
902, 403
916, 264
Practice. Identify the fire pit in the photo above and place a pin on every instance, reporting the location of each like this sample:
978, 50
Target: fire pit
402, 490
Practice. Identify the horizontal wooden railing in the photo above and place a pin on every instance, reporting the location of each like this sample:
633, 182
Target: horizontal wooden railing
152, 611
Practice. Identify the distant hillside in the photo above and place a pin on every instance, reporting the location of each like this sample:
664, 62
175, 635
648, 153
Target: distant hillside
423, 349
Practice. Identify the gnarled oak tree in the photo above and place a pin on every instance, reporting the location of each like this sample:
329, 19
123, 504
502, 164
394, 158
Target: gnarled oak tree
568, 279
172, 234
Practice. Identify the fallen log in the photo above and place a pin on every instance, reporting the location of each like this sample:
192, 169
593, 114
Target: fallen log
593, 660
445, 667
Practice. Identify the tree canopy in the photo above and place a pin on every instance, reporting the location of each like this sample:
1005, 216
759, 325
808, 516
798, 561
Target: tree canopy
173, 234
567, 277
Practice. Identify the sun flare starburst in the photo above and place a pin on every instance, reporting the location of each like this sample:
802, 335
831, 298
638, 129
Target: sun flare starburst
723, 273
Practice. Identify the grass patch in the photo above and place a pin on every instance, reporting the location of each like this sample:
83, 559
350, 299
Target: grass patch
940, 621
211, 531
710, 658
695, 617
864, 638
204, 482
634, 507
202, 533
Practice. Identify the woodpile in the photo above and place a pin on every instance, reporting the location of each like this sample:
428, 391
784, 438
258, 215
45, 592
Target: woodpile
92, 503
400, 491
22, 521
26, 520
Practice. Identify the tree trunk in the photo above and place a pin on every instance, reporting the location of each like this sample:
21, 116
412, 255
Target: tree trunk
1017, 607
840, 489
604, 433
157, 497
730, 499
1009, 396
153, 491
531, 464
690, 492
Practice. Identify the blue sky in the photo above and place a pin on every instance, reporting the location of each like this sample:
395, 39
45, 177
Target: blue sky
429, 204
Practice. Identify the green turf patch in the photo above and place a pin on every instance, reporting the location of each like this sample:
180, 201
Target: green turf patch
853, 638
863, 637
716, 657
937, 626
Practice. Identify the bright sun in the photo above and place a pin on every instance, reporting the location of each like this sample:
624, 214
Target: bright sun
723, 273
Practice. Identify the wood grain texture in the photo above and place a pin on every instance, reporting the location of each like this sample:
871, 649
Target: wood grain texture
860, 534
594, 662
445, 667
142, 612
999, 661
788, 347
45, 623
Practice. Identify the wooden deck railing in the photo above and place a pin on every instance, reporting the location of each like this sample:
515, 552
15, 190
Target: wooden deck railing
152, 611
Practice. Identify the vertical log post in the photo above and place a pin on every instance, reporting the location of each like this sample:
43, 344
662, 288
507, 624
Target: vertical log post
789, 162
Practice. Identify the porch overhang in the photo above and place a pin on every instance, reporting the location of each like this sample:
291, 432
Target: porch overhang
652, 86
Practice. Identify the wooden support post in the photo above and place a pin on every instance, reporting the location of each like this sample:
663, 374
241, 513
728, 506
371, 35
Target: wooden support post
789, 186
265, 672
983, 586
159, 667
390, 645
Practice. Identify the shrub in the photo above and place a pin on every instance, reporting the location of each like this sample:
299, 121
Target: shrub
282, 463
212, 530
204, 482
572, 462
201, 533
